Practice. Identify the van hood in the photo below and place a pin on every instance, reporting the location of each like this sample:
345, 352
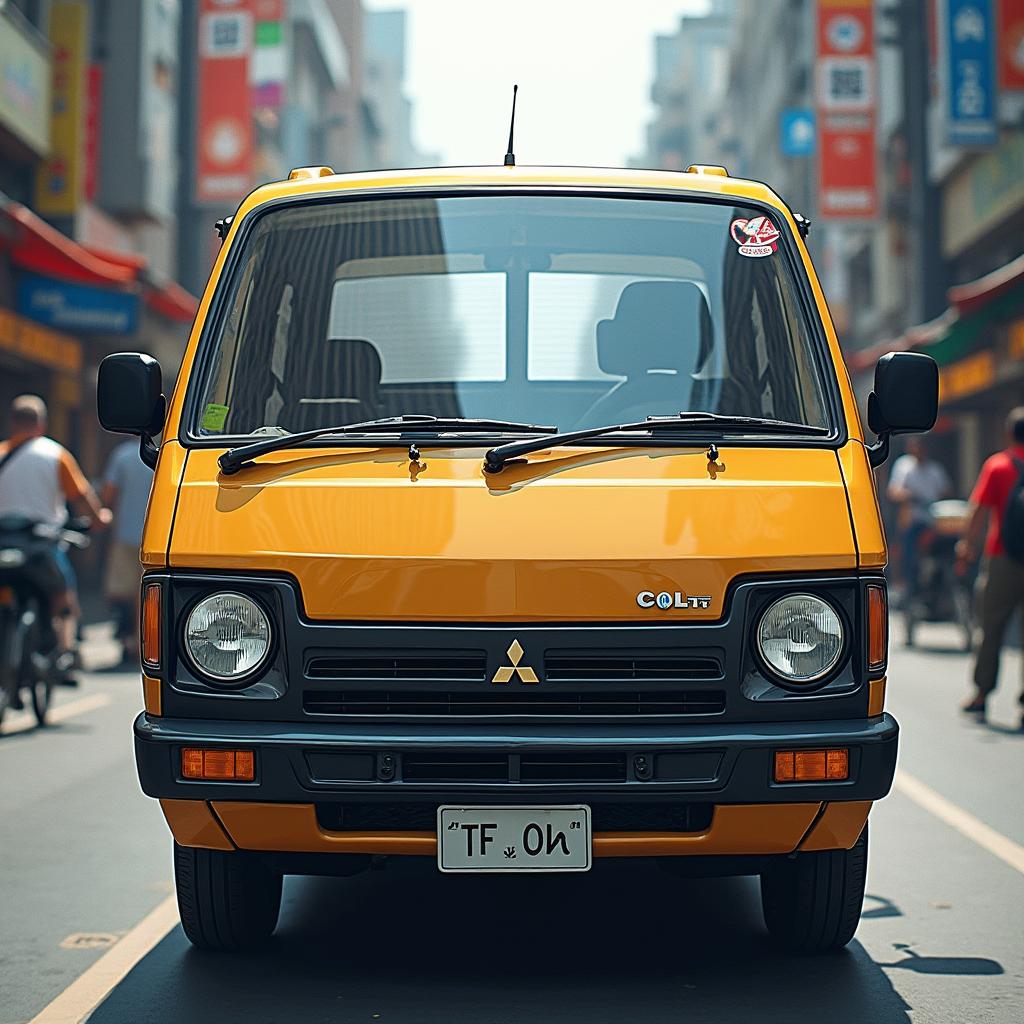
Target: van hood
572, 535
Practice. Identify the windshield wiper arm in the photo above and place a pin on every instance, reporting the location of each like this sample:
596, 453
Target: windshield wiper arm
496, 458
232, 461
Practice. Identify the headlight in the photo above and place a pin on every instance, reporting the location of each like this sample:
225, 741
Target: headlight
227, 636
12, 558
801, 638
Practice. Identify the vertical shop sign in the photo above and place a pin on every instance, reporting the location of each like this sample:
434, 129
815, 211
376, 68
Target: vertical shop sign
845, 85
969, 92
93, 103
59, 179
1010, 45
224, 146
269, 56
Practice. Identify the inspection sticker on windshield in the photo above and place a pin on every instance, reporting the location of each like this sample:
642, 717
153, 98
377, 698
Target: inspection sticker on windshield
513, 838
757, 236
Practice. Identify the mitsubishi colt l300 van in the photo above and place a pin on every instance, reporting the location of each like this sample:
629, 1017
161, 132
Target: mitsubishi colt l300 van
514, 518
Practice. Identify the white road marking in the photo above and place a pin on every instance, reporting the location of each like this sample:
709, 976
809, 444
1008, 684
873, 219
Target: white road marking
22, 722
88, 990
964, 822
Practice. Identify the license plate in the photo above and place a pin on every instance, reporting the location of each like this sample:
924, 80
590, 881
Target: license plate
513, 838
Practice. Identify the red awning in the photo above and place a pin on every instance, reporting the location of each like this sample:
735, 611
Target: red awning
35, 245
969, 297
964, 299
172, 301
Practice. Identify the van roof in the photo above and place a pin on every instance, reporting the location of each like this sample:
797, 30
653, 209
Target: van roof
713, 181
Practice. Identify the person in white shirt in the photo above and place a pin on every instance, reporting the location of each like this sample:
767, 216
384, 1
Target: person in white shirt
915, 483
39, 478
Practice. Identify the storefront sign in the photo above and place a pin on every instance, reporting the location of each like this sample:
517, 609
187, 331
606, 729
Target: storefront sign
982, 193
967, 377
24, 88
59, 178
845, 81
77, 307
1010, 45
224, 146
39, 345
968, 68
796, 132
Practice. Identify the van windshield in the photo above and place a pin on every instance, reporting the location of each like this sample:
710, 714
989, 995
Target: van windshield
564, 310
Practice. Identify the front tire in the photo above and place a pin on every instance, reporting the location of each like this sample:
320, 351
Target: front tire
226, 900
812, 903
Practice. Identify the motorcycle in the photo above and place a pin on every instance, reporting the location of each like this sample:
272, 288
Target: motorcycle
30, 656
944, 591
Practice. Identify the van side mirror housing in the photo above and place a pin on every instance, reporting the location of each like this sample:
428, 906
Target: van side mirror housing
905, 399
129, 399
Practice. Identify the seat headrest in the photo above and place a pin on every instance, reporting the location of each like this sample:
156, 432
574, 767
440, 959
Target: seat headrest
658, 325
351, 369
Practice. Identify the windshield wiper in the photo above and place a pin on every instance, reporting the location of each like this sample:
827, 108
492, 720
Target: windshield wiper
232, 461
496, 459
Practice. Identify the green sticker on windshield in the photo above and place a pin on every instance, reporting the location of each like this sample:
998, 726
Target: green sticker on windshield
215, 417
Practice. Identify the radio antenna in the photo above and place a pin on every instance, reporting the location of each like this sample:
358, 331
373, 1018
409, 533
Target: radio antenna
510, 156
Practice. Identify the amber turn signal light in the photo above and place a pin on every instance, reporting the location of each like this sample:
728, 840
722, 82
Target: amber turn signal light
878, 626
217, 765
812, 765
151, 606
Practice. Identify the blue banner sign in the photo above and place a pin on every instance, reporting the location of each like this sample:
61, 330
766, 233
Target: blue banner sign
77, 307
796, 132
970, 92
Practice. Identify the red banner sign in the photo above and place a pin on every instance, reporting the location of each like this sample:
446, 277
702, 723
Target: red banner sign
1010, 43
845, 81
224, 143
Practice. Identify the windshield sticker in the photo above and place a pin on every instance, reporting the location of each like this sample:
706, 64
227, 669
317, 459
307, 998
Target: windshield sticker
215, 417
757, 236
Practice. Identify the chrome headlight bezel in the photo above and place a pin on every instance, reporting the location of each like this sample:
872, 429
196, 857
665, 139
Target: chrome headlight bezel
802, 683
221, 680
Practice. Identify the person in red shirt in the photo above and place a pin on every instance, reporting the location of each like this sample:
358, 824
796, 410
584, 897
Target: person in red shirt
1003, 591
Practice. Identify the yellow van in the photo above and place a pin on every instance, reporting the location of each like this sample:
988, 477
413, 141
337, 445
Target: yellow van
515, 517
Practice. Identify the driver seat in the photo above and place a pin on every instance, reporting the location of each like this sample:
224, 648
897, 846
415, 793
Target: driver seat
659, 332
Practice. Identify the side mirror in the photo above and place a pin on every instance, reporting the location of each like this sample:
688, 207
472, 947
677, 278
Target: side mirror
905, 399
129, 398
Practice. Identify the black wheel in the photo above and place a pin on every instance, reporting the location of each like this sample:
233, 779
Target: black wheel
812, 903
226, 900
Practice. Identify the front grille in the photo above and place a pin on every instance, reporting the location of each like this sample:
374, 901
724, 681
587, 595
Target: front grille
562, 767
446, 767
554, 766
605, 817
617, 666
373, 665
518, 701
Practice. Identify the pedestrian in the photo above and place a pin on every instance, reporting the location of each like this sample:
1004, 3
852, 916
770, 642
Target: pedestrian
39, 478
1003, 590
126, 486
915, 483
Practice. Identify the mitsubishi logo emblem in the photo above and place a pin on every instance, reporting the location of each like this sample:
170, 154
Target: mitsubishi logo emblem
506, 672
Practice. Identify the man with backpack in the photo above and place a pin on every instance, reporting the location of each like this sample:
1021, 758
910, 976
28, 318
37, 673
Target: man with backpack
999, 490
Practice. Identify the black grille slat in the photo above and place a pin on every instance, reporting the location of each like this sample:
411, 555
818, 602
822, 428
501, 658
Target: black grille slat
558, 767
606, 816
571, 666
502, 702
373, 665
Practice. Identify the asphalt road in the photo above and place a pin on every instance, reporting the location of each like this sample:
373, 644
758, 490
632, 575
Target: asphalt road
84, 858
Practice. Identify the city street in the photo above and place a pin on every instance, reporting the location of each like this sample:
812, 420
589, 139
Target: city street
86, 876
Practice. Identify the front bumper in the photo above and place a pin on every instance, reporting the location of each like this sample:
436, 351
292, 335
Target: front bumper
718, 764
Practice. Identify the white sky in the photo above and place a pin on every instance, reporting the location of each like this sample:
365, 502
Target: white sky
584, 69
